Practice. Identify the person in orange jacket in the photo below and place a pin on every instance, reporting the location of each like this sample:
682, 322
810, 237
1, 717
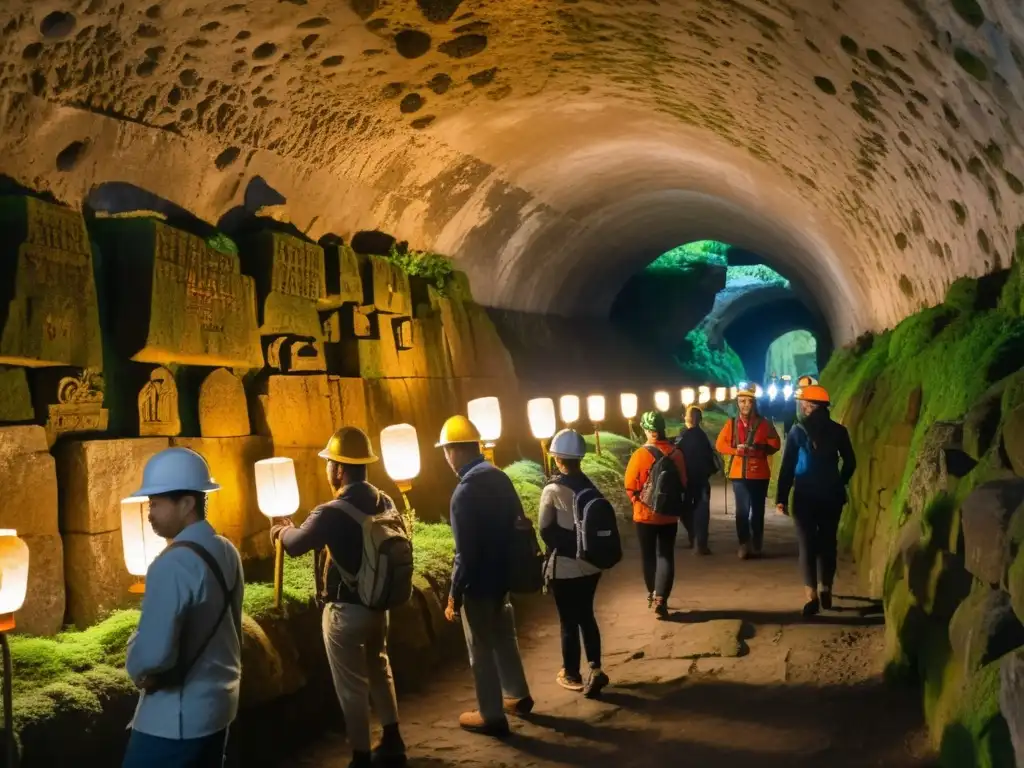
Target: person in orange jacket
656, 528
750, 440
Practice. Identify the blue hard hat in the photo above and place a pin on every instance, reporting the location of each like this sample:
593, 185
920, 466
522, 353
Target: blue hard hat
568, 444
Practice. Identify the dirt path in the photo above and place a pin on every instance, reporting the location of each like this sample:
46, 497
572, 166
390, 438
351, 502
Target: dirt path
737, 678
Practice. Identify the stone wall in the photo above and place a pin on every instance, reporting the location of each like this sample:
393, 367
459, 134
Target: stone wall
122, 336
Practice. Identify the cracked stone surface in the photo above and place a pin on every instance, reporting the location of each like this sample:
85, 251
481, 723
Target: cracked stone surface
869, 150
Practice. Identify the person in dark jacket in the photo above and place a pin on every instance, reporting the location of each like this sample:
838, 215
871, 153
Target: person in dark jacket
811, 468
484, 510
702, 463
355, 636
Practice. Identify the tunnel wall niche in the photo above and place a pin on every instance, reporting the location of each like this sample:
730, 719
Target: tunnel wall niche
752, 333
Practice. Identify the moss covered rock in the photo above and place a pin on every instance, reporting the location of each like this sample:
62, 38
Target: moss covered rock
1011, 700
987, 513
984, 629
981, 425
1013, 439
1015, 584
930, 473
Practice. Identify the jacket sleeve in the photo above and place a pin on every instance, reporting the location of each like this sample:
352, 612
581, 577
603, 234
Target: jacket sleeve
769, 442
167, 597
548, 517
788, 469
312, 534
680, 460
464, 532
724, 442
634, 470
848, 457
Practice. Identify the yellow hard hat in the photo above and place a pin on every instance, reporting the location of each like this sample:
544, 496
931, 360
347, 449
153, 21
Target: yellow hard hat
349, 445
458, 429
748, 391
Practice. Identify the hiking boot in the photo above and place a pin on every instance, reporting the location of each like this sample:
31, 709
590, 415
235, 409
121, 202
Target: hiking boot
569, 682
812, 606
826, 599
474, 723
391, 750
702, 551
519, 707
595, 683
660, 608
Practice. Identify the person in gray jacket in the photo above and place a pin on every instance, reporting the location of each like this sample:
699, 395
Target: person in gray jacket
186, 656
573, 581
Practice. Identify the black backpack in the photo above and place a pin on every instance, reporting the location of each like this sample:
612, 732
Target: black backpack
526, 561
597, 529
663, 491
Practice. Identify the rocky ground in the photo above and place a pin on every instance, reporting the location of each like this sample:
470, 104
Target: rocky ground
736, 677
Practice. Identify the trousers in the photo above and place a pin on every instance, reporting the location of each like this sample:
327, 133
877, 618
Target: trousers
817, 528
658, 552
490, 628
750, 499
145, 751
574, 599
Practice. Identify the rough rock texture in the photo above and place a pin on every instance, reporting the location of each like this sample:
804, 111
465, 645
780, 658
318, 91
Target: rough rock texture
986, 519
223, 411
872, 155
1011, 700
984, 629
101, 556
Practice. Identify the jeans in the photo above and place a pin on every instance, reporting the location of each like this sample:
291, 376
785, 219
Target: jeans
356, 642
750, 498
145, 751
490, 627
658, 551
574, 599
699, 502
817, 525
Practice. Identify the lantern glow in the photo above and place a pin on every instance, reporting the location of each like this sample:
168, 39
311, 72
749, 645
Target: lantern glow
629, 404
400, 451
733, 391
140, 542
595, 408
13, 572
569, 408
541, 413
277, 490
689, 396
720, 394
758, 392
485, 413
662, 401
704, 395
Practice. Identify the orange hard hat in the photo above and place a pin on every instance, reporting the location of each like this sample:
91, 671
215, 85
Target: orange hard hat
813, 394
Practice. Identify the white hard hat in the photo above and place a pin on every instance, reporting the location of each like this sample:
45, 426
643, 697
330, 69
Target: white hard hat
568, 444
176, 469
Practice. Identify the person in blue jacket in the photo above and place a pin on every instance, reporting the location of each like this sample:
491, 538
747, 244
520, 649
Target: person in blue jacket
811, 469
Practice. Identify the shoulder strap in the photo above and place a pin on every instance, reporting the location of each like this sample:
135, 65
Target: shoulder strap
755, 424
207, 558
654, 451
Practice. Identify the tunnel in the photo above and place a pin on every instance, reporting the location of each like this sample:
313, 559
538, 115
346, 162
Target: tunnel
234, 227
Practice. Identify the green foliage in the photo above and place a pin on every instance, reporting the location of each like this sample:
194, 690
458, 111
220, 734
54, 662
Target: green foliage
426, 264
702, 362
692, 257
618, 446
222, 243
759, 272
433, 550
298, 588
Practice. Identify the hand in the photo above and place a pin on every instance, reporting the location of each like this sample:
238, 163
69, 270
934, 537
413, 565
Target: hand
450, 614
780, 509
280, 526
741, 450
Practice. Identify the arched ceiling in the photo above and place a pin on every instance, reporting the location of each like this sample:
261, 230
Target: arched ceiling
866, 148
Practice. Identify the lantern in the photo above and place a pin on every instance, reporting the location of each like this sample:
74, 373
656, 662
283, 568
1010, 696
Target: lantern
595, 412
400, 451
277, 494
140, 542
13, 577
733, 391
758, 392
541, 413
720, 394
485, 413
629, 404
662, 401
689, 396
703, 395
569, 408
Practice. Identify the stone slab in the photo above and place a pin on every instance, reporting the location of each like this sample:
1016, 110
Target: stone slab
43, 612
344, 283
29, 491
986, 515
695, 641
1011, 700
296, 411
15, 397
95, 475
223, 410
101, 582
49, 312
22, 439
984, 629
385, 286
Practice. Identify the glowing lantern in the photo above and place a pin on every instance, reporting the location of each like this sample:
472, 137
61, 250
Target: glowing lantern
595, 412
541, 413
140, 542
720, 394
13, 576
485, 413
704, 395
662, 401
629, 404
400, 451
689, 396
758, 392
569, 408
733, 391
277, 494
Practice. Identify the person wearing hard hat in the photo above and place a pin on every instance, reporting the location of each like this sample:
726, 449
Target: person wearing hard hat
573, 578
702, 463
483, 515
749, 440
811, 468
658, 463
186, 656
355, 634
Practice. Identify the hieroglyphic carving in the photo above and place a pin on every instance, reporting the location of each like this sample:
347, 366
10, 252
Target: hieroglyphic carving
158, 406
79, 406
385, 286
289, 274
293, 355
48, 308
343, 280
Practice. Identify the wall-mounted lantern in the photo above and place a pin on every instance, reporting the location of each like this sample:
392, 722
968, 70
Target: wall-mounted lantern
703, 395
662, 401
689, 396
569, 409
720, 394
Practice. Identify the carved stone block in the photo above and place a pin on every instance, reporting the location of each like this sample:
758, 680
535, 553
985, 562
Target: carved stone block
385, 286
158, 406
15, 397
296, 411
79, 407
48, 309
289, 275
223, 411
343, 280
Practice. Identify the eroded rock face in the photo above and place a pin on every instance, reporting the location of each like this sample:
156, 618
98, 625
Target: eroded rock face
868, 155
987, 514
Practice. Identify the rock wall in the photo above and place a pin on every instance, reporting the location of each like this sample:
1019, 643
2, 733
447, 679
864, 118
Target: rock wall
936, 515
125, 335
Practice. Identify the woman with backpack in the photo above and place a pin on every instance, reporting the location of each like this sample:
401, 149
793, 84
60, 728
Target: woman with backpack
656, 482
570, 509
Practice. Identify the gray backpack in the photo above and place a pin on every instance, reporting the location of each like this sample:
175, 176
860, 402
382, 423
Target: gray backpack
384, 580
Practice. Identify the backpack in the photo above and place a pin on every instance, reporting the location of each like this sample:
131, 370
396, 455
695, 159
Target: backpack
384, 580
526, 561
597, 529
663, 491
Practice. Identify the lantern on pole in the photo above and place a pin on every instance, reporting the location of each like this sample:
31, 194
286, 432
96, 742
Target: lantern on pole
139, 541
485, 413
14, 558
733, 391
704, 395
541, 413
720, 394
277, 494
689, 396
595, 412
400, 451
569, 409
662, 401
629, 403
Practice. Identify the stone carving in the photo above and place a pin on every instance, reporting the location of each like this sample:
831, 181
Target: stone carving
223, 411
79, 406
291, 355
343, 281
158, 406
385, 286
201, 309
289, 274
48, 309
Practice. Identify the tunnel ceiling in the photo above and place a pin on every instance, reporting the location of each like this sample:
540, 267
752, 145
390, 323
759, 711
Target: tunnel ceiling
867, 148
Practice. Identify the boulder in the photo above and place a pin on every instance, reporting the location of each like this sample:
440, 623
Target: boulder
1015, 582
987, 513
930, 472
1011, 700
270, 661
984, 629
981, 424
904, 627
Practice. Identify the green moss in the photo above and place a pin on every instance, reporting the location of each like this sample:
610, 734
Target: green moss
702, 362
969, 11
618, 446
971, 64
962, 294
979, 733
433, 550
432, 266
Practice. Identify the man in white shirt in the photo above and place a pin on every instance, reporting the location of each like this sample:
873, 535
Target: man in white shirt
186, 656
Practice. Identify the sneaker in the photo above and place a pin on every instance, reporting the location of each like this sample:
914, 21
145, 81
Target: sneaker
660, 608
474, 722
597, 681
519, 707
811, 608
701, 551
650, 601
570, 682
744, 552
826, 599
391, 750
